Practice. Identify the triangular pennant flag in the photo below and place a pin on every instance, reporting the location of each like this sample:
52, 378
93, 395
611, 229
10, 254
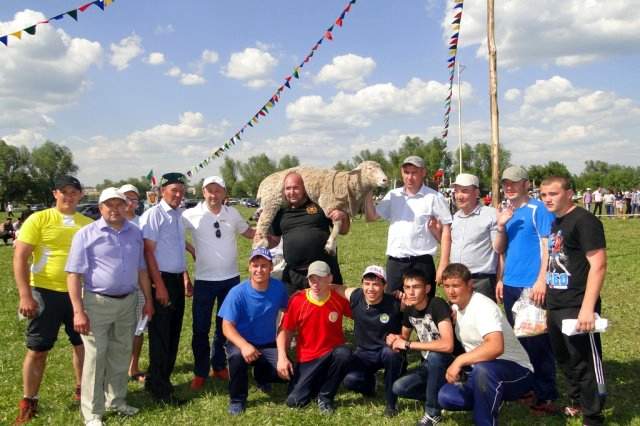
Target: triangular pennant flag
352, 2
320, 41
339, 22
270, 104
85, 7
264, 108
4, 40
455, 35
455, 21
452, 59
287, 84
330, 28
249, 123
314, 48
261, 112
306, 59
31, 30
328, 35
243, 127
57, 18
99, 4
301, 64
347, 9
17, 34
456, 26
46, 21
295, 73
458, 15
255, 118
458, 5
73, 14
310, 54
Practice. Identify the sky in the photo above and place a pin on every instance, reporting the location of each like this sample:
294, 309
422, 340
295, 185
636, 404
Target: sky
158, 84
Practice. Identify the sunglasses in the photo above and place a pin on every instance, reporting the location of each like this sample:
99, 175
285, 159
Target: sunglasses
170, 178
217, 226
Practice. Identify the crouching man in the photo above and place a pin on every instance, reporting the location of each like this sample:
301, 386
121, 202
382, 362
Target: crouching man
315, 314
107, 261
375, 315
495, 366
249, 319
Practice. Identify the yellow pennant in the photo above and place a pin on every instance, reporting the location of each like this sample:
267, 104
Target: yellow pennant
17, 34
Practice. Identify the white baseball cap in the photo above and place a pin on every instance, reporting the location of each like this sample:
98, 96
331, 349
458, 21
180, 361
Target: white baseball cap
466, 179
376, 270
214, 179
129, 188
110, 193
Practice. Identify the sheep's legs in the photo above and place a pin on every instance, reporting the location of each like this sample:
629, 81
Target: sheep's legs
330, 246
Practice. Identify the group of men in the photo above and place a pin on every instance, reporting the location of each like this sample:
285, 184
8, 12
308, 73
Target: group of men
95, 276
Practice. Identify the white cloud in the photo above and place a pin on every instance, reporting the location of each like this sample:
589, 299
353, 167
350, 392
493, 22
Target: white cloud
164, 29
156, 58
41, 74
361, 108
191, 79
347, 71
252, 65
25, 137
512, 95
174, 72
125, 51
209, 56
565, 33
547, 90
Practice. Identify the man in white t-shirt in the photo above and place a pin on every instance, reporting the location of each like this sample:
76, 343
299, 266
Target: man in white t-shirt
495, 366
213, 227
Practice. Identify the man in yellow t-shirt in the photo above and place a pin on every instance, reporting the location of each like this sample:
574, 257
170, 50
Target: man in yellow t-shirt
44, 241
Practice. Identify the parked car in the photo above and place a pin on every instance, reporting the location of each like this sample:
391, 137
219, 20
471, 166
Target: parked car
89, 209
250, 202
37, 207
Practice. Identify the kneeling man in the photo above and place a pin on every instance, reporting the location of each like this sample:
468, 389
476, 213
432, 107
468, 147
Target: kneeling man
315, 314
249, 320
495, 366
106, 258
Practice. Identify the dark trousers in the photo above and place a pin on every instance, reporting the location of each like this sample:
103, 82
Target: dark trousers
539, 350
321, 376
205, 295
485, 284
597, 208
580, 359
397, 266
363, 367
164, 336
489, 383
424, 382
264, 370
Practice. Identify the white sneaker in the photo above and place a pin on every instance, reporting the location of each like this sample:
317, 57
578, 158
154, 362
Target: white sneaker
124, 410
96, 421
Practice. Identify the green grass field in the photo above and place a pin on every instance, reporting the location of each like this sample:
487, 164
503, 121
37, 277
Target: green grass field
364, 245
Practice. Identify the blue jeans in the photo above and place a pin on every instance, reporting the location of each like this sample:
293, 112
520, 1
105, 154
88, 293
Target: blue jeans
264, 370
489, 383
424, 383
362, 372
539, 350
205, 295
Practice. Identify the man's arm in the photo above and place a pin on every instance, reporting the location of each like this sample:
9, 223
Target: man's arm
190, 249
499, 283
540, 287
27, 305
597, 269
445, 251
502, 217
80, 319
444, 344
284, 366
154, 272
249, 352
343, 218
249, 233
145, 286
492, 347
343, 290
369, 208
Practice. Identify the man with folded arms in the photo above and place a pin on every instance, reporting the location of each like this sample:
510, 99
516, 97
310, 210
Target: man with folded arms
105, 265
315, 314
249, 316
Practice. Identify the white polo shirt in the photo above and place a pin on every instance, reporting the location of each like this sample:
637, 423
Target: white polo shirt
216, 258
408, 216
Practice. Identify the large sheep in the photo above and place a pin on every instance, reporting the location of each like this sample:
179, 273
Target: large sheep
330, 189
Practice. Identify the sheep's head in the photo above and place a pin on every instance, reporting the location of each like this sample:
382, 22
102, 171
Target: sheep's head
372, 174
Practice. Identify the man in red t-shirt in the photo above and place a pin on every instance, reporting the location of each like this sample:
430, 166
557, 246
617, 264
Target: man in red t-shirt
315, 316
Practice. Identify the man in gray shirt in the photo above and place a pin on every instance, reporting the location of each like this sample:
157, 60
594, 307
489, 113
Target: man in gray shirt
473, 233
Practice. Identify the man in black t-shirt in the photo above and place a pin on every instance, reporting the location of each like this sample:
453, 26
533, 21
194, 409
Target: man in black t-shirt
305, 230
375, 315
431, 319
575, 275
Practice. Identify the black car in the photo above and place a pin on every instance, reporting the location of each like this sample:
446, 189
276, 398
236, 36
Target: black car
250, 202
89, 209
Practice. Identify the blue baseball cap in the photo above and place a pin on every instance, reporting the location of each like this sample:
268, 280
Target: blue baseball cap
261, 251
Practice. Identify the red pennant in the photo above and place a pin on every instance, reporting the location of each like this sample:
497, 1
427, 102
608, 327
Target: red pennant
339, 22
328, 35
85, 7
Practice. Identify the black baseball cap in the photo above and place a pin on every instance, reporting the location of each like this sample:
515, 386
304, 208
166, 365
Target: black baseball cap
169, 178
67, 180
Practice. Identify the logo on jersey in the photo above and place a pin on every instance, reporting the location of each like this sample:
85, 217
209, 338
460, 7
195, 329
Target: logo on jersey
312, 209
384, 318
557, 273
333, 316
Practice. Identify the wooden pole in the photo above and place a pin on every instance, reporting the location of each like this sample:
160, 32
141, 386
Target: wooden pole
493, 100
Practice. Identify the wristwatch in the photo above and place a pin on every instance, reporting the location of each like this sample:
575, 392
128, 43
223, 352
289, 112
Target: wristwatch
407, 345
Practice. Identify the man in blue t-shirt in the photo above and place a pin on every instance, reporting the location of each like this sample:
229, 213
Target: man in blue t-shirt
523, 230
250, 315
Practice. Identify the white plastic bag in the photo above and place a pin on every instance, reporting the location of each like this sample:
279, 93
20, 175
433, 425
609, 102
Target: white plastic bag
528, 319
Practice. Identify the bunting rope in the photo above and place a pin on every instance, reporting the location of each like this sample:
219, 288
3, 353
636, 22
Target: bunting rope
274, 99
72, 13
451, 62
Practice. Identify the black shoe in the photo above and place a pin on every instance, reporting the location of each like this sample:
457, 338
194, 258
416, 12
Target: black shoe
390, 411
326, 407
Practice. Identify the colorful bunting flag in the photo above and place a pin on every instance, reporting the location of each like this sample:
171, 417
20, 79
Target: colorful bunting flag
451, 62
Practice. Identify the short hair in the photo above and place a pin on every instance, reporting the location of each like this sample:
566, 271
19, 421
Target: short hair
415, 274
456, 270
565, 182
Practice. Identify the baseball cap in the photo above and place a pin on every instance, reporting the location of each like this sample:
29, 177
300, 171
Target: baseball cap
319, 268
66, 180
214, 179
109, 193
174, 177
515, 174
376, 270
414, 160
261, 251
129, 188
466, 179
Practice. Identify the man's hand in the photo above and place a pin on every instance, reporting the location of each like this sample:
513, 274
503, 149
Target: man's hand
453, 373
147, 309
504, 215
188, 286
586, 321
439, 272
285, 368
500, 291
435, 227
537, 292
81, 323
162, 295
28, 306
250, 353
392, 338
337, 215
399, 344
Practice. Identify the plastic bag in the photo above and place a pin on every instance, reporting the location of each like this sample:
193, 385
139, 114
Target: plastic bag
529, 319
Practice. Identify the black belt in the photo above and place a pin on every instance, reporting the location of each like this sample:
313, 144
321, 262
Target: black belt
482, 276
410, 259
174, 274
114, 296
